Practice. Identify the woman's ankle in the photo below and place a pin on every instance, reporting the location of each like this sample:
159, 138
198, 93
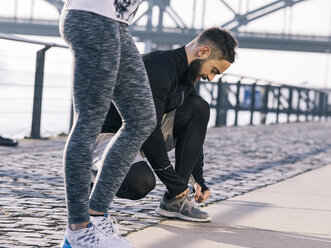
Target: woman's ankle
95, 213
76, 227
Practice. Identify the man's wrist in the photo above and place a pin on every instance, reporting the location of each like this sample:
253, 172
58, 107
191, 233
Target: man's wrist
203, 187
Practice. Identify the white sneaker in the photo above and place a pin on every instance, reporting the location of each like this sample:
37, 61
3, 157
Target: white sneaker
85, 237
108, 226
89, 237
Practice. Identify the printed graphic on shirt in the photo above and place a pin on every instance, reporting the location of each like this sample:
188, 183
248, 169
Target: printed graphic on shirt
126, 9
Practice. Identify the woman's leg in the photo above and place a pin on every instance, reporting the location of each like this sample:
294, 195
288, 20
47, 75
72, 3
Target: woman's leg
95, 43
133, 99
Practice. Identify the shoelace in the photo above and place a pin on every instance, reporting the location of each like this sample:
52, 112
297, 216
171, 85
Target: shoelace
187, 201
89, 236
110, 225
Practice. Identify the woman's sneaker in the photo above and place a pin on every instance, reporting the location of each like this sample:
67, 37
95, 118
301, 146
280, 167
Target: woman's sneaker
89, 237
182, 208
108, 226
85, 237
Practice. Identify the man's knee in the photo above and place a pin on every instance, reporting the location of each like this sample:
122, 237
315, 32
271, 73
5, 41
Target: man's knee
139, 181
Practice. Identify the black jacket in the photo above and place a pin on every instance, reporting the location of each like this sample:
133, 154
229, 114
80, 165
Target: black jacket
166, 72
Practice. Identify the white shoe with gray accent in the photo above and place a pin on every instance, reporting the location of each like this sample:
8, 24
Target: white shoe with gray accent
92, 237
182, 208
107, 225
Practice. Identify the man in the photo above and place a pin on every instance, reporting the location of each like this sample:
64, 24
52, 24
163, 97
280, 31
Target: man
182, 118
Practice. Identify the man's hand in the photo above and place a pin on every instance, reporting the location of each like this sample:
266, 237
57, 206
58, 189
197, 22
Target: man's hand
181, 195
199, 196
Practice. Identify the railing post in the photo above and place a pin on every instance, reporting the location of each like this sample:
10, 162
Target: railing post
325, 105
315, 105
307, 104
197, 87
265, 104
298, 107
237, 103
252, 103
38, 93
289, 110
278, 104
221, 109
320, 107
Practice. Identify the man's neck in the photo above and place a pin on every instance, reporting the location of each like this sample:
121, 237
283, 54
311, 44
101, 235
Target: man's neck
190, 50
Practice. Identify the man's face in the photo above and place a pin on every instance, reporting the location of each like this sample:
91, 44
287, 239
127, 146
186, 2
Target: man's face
206, 69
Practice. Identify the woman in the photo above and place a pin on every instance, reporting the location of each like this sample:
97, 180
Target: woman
106, 67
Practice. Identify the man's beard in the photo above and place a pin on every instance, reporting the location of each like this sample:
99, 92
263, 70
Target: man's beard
194, 70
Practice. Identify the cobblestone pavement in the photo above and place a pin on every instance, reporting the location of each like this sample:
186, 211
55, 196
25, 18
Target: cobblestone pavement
238, 160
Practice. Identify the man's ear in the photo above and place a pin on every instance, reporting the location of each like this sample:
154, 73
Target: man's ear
204, 52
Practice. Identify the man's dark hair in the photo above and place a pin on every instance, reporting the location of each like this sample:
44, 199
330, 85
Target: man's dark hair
222, 43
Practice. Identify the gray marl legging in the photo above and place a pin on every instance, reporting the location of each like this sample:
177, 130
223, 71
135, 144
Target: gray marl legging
107, 66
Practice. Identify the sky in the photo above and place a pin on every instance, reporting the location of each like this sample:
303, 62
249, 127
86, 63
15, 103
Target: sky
309, 17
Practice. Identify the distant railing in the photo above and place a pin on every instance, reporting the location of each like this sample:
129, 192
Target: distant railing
39, 79
241, 94
266, 98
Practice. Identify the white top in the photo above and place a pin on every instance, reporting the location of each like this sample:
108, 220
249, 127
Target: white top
119, 10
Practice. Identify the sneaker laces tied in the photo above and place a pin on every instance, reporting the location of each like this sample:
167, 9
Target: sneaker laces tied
110, 225
89, 236
187, 201
115, 226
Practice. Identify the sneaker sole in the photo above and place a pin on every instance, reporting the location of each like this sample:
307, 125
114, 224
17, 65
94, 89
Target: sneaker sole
177, 215
65, 244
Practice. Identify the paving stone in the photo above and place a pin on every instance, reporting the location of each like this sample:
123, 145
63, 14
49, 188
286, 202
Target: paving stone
237, 160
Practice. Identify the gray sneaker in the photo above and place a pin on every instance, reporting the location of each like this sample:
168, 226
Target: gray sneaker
181, 208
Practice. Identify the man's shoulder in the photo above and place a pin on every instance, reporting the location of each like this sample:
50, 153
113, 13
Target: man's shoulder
158, 57
159, 64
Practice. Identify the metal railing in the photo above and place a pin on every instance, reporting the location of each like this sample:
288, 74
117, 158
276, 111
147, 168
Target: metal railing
225, 95
39, 79
266, 98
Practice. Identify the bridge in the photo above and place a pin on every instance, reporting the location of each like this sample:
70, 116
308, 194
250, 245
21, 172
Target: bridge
166, 28
160, 34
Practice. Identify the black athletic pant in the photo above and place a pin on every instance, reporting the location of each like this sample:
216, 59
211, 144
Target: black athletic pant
189, 132
190, 127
